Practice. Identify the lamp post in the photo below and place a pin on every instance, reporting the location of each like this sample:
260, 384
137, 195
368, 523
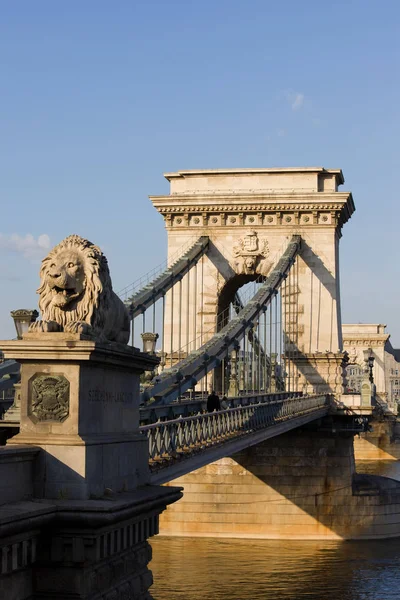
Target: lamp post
149, 346
367, 382
233, 389
23, 317
369, 359
273, 382
149, 342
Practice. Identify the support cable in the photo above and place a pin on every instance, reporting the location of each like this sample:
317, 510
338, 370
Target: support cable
202, 301
259, 354
281, 341
180, 321
166, 386
195, 308
163, 330
297, 321
289, 333
276, 342
284, 320
187, 310
265, 349
172, 322
154, 290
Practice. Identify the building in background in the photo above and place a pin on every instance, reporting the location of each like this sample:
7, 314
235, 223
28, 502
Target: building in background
386, 371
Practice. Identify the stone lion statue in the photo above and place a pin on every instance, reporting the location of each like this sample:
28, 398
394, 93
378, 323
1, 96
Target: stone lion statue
76, 293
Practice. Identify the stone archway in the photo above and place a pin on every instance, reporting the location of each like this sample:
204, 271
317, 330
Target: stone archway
228, 292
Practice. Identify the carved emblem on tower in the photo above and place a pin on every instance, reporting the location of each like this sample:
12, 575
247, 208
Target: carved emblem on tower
250, 254
353, 356
49, 398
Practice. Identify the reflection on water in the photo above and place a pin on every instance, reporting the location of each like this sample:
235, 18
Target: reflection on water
221, 569
241, 569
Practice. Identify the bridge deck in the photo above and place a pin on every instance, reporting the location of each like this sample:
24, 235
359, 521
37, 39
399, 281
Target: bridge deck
185, 444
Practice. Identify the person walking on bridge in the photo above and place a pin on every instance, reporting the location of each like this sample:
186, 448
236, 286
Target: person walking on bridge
213, 402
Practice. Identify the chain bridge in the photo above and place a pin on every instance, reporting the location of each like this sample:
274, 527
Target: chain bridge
249, 299
247, 304
246, 307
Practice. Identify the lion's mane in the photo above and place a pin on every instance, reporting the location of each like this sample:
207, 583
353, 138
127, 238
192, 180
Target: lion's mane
99, 306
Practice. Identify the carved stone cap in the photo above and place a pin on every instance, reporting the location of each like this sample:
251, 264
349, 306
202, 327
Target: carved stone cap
76, 347
259, 177
365, 340
24, 312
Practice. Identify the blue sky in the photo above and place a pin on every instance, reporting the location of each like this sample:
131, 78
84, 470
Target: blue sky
99, 98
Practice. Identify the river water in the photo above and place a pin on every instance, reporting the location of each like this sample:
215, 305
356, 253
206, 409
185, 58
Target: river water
240, 569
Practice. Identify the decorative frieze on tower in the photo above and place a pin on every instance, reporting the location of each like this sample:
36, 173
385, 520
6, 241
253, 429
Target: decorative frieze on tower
294, 197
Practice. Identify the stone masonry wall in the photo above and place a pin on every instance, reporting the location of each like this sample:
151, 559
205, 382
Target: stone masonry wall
379, 444
298, 485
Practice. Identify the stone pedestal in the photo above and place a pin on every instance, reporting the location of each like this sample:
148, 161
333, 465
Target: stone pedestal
322, 371
80, 404
366, 392
13, 413
79, 527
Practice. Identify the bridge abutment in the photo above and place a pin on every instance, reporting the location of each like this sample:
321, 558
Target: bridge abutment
300, 485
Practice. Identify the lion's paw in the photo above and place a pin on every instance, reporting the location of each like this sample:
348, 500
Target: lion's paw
44, 326
78, 327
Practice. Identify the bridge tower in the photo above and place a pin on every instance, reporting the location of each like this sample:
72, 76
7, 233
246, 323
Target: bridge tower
249, 216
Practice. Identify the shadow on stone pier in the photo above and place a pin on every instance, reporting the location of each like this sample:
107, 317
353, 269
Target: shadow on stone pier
300, 485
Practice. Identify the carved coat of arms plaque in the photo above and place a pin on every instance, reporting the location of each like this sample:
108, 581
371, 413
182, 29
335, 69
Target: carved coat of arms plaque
49, 398
250, 254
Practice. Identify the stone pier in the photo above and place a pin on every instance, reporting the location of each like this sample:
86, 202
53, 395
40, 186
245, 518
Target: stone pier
300, 485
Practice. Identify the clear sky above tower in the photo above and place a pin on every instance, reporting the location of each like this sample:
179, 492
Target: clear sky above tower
99, 98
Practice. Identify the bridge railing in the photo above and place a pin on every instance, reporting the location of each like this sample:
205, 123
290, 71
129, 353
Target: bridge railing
187, 435
186, 408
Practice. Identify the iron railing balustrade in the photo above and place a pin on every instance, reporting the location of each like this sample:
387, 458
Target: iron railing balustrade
182, 437
185, 407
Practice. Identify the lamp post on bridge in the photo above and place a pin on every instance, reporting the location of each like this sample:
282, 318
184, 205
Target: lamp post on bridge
370, 359
149, 342
23, 317
273, 382
367, 384
149, 346
233, 389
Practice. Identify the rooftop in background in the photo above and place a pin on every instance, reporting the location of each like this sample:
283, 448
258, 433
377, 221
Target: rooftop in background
289, 179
